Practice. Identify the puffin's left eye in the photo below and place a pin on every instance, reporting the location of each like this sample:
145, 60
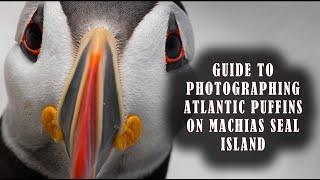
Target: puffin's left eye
175, 54
32, 37
174, 49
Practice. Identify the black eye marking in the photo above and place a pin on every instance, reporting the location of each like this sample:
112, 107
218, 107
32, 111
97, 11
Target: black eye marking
32, 36
181, 6
175, 53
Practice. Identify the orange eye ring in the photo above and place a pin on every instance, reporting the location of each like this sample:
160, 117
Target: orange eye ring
34, 52
32, 36
175, 55
178, 58
180, 54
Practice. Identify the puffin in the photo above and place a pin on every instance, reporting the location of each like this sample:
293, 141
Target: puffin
87, 86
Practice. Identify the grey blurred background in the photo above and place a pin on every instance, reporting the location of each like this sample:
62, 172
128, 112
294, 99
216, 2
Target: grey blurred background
291, 27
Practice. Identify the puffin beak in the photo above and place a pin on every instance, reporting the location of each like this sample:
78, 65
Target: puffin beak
90, 112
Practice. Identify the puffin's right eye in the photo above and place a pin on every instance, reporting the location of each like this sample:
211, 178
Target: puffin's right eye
32, 37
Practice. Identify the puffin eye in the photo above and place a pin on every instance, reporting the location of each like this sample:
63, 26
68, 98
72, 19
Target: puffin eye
32, 37
175, 54
173, 47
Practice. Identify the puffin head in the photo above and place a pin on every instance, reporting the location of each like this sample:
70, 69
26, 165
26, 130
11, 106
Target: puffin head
87, 85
